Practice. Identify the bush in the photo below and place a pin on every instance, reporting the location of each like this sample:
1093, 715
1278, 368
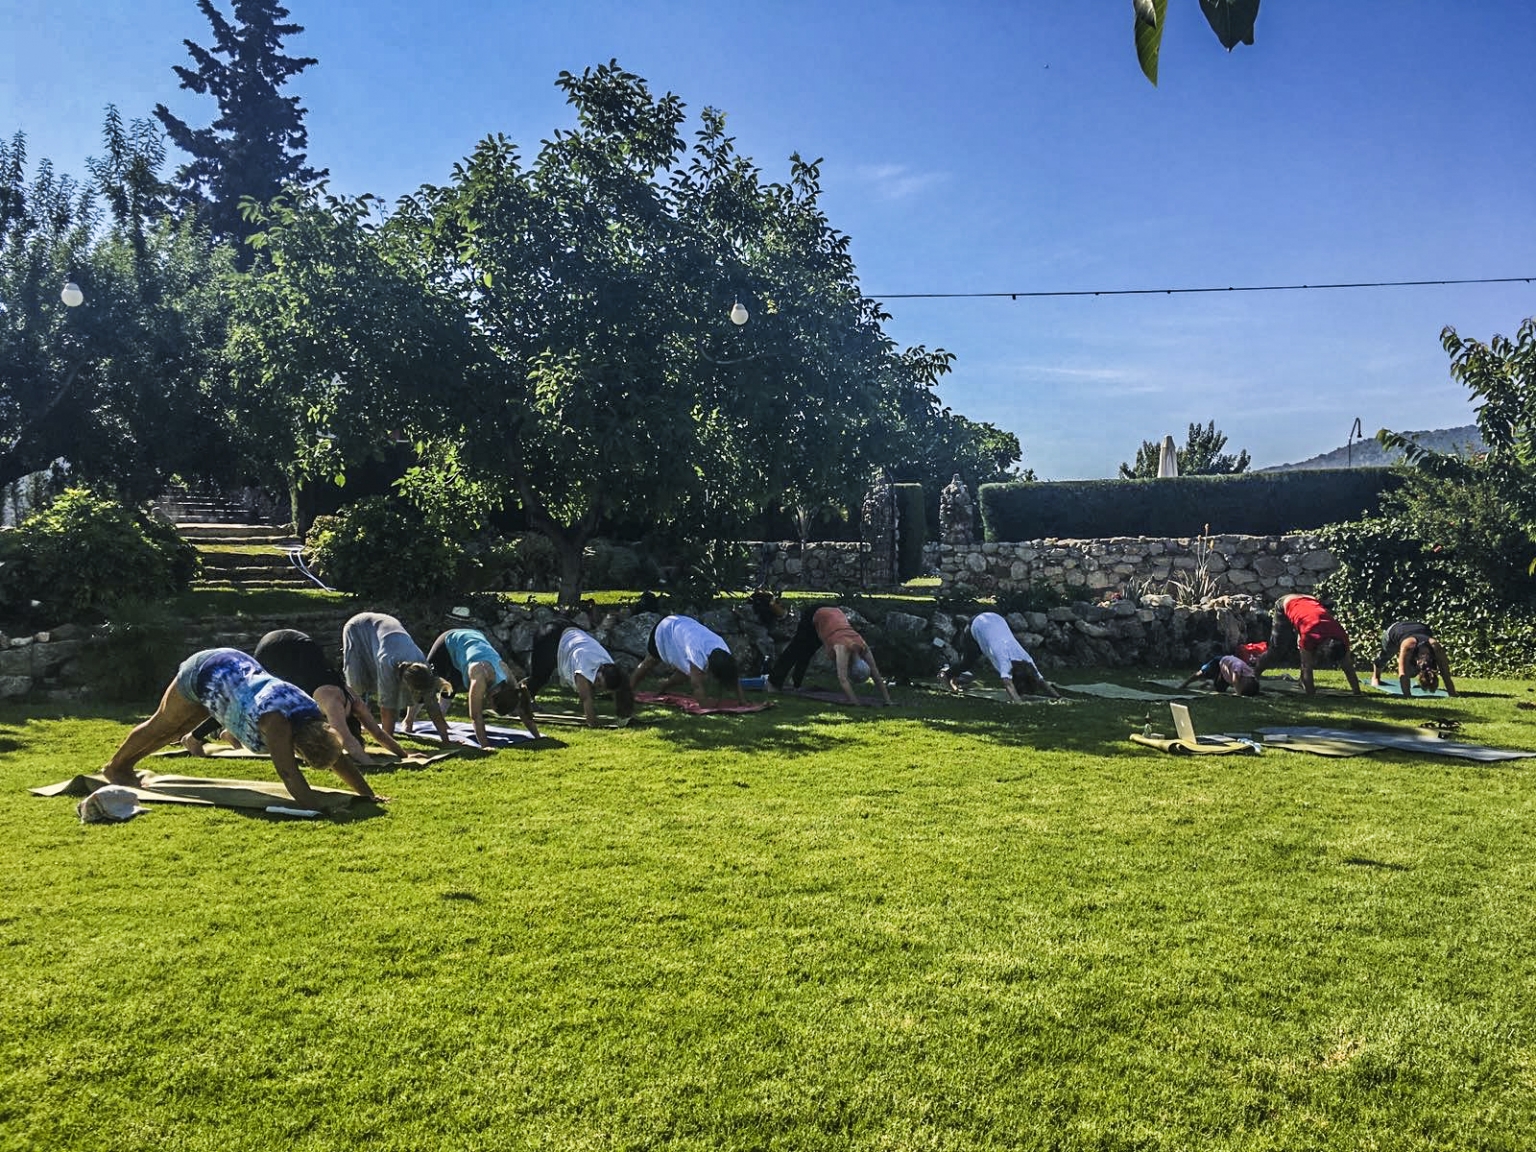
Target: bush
1258, 503
381, 547
913, 530
1474, 593
516, 564
86, 551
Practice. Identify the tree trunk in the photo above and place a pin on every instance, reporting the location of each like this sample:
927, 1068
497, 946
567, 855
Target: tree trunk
571, 553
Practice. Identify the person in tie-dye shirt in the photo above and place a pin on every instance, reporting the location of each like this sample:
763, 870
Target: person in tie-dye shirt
264, 713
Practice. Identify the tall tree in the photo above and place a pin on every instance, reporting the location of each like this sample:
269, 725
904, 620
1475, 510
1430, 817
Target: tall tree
337, 345
609, 381
256, 146
1201, 455
115, 385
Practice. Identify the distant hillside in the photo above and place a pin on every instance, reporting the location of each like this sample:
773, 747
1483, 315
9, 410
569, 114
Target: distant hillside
1369, 453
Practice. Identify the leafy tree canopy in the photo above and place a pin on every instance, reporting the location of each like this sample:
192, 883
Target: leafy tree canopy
115, 385
1201, 455
606, 379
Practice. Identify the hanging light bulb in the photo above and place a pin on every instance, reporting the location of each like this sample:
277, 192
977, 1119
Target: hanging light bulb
738, 314
71, 295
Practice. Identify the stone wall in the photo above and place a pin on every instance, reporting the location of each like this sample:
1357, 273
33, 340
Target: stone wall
1154, 631
42, 662
1262, 566
818, 567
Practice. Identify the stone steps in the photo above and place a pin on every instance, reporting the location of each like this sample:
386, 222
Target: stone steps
215, 532
245, 561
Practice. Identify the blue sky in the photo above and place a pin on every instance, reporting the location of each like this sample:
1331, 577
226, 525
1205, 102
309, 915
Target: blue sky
988, 147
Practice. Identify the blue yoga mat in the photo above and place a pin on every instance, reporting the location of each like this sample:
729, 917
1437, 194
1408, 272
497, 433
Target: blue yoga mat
1393, 688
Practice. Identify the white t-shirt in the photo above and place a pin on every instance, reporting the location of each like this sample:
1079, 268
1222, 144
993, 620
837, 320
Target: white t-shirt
685, 644
579, 653
998, 643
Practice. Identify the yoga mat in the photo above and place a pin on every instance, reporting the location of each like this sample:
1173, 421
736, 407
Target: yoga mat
577, 720
1200, 687
1201, 746
1318, 745
828, 697
1393, 688
1120, 692
1000, 695
381, 757
464, 732
691, 706
1288, 683
204, 792
1407, 740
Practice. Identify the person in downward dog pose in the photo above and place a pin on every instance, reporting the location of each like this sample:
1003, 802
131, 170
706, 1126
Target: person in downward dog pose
828, 629
264, 713
379, 658
466, 658
583, 665
1318, 637
692, 652
1411, 645
988, 635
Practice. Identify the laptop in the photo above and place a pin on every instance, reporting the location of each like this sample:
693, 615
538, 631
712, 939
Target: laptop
1186, 728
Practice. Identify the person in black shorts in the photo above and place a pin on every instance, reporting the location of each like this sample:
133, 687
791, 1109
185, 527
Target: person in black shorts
583, 665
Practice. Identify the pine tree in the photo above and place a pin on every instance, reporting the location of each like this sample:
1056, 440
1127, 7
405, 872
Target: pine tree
1201, 455
256, 146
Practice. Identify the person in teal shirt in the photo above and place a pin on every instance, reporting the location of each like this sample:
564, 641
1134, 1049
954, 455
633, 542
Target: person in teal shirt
466, 658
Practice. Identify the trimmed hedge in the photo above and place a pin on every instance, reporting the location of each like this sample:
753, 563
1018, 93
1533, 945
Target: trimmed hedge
912, 530
1249, 503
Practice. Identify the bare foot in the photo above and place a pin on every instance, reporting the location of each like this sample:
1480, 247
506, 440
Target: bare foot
124, 776
193, 745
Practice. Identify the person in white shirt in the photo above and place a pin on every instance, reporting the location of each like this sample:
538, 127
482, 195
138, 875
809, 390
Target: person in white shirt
583, 665
988, 636
691, 651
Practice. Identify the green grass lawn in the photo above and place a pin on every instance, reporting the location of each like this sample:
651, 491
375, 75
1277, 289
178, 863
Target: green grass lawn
205, 603
952, 926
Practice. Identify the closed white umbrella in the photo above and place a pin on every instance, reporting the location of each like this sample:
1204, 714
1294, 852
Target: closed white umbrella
1168, 459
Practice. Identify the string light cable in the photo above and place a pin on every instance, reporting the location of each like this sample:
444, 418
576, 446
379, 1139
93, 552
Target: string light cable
1194, 291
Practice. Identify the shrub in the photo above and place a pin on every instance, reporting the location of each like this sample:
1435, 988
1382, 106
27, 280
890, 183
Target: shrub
1260, 503
86, 551
381, 547
1390, 569
527, 563
913, 530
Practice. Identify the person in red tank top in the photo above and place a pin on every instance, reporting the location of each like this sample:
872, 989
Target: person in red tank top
1318, 637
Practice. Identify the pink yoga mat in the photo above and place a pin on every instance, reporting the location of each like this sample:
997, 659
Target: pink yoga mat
692, 706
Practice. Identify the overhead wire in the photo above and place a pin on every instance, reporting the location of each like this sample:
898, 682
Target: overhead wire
1035, 295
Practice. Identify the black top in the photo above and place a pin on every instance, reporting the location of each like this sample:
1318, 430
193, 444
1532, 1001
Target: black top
1392, 641
292, 656
441, 662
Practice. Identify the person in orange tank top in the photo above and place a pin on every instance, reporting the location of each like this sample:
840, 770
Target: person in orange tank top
828, 628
